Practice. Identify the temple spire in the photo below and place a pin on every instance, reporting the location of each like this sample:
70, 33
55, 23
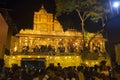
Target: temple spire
42, 7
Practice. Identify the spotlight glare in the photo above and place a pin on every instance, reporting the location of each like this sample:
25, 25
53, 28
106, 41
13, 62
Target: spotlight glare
116, 4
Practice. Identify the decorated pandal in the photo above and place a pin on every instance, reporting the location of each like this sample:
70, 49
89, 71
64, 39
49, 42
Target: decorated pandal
48, 42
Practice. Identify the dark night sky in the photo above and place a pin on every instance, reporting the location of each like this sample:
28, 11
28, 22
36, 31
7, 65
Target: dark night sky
23, 10
22, 14
113, 29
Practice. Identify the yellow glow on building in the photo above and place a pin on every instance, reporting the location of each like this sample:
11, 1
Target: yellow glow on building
47, 31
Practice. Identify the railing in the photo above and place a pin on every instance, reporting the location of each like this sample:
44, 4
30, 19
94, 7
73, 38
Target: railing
87, 55
46, 53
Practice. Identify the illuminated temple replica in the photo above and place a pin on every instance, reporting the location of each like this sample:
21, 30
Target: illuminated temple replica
48, 43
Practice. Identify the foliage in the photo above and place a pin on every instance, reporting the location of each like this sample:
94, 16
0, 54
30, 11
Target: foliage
93, 9
86, 9
1, 63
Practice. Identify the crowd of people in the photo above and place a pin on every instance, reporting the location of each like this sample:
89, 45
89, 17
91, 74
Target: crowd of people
60, 49
82, 72
49, 48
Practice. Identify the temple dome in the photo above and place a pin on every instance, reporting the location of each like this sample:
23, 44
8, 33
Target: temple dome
42, 10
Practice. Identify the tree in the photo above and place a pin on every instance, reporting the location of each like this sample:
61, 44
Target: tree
86, 9
1, 63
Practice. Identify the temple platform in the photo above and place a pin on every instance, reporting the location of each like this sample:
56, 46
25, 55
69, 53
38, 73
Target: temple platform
65, 59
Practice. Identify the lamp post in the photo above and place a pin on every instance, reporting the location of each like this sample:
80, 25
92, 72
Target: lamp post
116, 5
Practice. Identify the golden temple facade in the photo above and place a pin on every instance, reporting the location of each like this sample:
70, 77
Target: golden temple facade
48, 42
